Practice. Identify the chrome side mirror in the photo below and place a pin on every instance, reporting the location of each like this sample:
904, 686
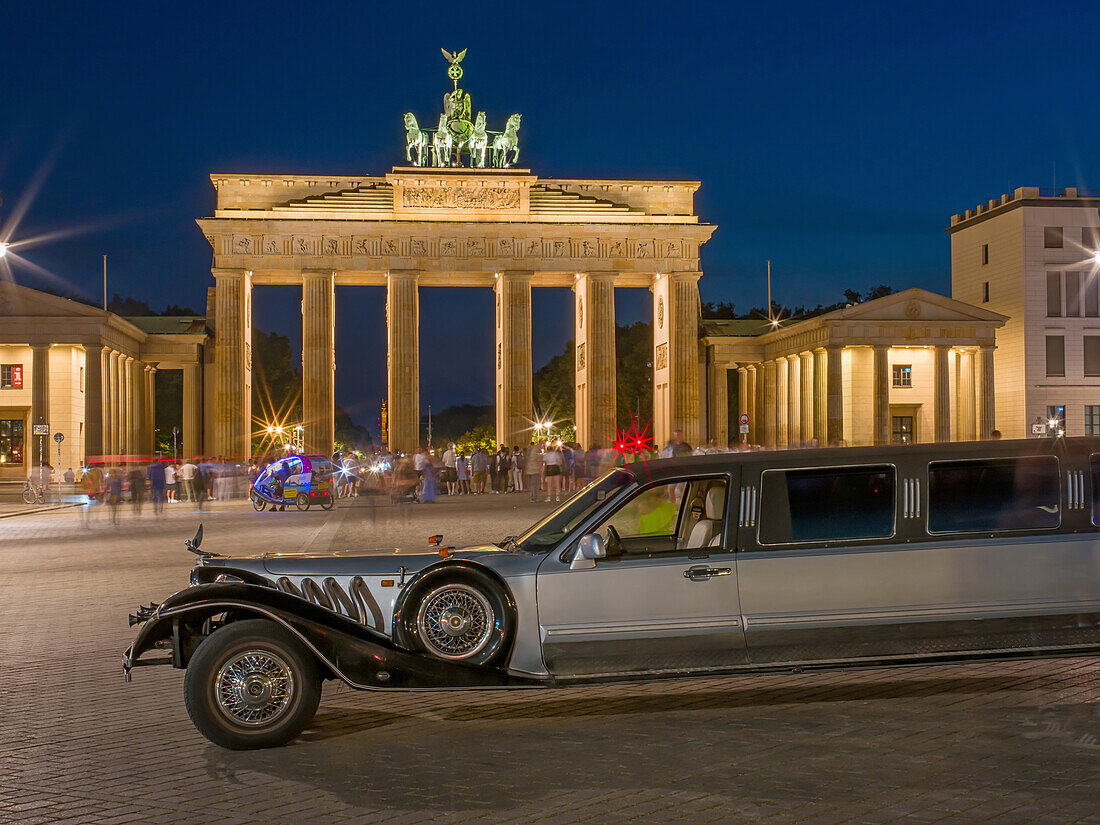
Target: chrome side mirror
589, 548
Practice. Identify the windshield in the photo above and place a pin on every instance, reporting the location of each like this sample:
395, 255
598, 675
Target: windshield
562, 521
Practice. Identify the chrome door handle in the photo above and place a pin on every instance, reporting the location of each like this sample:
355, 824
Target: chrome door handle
706, 572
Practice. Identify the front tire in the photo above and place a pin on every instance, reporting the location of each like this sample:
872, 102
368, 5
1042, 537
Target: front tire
251, 684
258, 503
301, 501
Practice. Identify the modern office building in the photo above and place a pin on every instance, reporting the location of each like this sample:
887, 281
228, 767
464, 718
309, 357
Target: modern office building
1032, 256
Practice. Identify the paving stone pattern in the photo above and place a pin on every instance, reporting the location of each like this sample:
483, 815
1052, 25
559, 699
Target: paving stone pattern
1001, 742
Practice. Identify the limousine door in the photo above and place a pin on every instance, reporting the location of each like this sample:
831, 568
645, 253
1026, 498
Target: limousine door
665, 597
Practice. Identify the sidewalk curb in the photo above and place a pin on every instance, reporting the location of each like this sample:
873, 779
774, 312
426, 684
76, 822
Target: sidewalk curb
31, 509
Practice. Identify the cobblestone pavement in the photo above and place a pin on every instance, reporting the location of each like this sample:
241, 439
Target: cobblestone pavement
1001, 741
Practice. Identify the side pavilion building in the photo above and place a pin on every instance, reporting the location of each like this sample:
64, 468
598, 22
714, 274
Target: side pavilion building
910, 367
502, 229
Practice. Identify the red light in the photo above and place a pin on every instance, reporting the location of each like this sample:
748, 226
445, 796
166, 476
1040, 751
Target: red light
313, 495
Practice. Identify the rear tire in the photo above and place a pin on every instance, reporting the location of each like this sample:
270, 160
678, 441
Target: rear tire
301, 501
29, 496
251, 684
258, 503
462, 617
328, 504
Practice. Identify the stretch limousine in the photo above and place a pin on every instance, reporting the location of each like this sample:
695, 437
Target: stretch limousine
719, 563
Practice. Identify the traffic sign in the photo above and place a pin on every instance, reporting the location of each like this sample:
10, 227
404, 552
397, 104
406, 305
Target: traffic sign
40, 429
58, 437
744, 420
1038, 429
744, 429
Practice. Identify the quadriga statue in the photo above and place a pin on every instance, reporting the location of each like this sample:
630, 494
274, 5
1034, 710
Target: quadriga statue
506, 142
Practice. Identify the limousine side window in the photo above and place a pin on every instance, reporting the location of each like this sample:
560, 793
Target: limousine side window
826, 504
670, 517
992, 494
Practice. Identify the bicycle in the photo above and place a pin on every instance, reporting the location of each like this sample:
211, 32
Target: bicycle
33, 494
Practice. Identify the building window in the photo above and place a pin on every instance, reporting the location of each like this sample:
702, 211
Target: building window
1073, 294
1090, 238
11, 376
985, 292
1092, 427
994, 494
1056, 419
1092, 306
11, 441
903, 375
82, 379
1054, 295
902, 429
1056, 356
1092, 355
1052, 237
985, 254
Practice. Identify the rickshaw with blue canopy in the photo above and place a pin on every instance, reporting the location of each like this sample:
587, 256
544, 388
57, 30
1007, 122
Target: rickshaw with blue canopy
301, 480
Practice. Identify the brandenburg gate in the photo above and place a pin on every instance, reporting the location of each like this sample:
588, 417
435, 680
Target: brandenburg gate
438, 223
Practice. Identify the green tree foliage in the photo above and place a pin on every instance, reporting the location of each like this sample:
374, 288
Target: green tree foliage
276, 379
726, 311
481, 436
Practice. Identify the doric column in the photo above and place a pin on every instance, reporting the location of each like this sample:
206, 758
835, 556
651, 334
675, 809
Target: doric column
759, 427
115, 419
192, 410
403, 344
126, 404
806, 400
595, 399
794, 401
718, 412
834, 393
233, 363
93, 400
770, 401
941, 389
964, 395
40, 401
880, 388
138, 397
514, 401
744, 401
781, 401
676, 345
105, 401
150, 409
986, 398
821, 396
318, 360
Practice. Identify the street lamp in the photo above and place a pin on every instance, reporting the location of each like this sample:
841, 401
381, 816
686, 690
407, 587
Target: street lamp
3, 249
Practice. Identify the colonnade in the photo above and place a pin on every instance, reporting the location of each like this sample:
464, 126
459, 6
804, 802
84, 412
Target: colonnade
119, 403
800, 397
675, 358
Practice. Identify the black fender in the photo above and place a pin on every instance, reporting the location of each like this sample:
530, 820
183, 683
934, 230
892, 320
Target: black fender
460, 569
359, 656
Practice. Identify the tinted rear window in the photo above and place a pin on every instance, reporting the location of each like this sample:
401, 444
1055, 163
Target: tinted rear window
988, 495
827, 504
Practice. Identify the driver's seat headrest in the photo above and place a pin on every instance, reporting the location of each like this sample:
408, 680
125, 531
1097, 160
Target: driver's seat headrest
716, 501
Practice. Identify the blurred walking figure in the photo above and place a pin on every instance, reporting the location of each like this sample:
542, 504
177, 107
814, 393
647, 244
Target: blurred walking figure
479, 461
93, 488
462, 474
113, 492
450, 469
136, 480
157, 484
187, 476
532, 468
199, 482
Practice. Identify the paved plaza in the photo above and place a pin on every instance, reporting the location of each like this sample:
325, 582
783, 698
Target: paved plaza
1005, 741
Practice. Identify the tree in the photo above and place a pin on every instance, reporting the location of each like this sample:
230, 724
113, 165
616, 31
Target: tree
481, 436
452, 422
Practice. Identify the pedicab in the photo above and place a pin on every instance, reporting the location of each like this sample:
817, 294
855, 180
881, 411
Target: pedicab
301, 480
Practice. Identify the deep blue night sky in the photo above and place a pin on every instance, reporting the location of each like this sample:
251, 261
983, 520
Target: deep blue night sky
835, 139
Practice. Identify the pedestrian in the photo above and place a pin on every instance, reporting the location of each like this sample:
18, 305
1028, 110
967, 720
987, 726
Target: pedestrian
462, 474
580, 465
568, 477
516, 461
158, 480
480, 464
449, 469
198, 486
676, 447
532, 468
136, 479
187, 476
113, 492
170, 484
503, 464
553, 463
427, 484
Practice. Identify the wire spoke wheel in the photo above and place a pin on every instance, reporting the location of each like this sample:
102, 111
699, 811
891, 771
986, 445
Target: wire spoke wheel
455, 621
254, 688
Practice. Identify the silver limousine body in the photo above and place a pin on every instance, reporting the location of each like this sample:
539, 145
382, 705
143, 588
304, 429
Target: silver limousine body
718, 563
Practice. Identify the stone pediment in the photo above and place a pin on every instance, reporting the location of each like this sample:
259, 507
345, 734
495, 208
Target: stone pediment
915, 305
18, 300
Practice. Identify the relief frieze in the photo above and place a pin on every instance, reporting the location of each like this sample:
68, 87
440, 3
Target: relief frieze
443, 197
